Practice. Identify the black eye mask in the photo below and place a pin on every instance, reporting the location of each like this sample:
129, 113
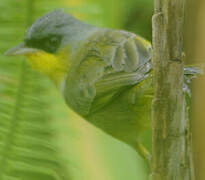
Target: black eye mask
49, 44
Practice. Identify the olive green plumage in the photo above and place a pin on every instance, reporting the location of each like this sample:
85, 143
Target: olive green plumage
101, 83
108, 79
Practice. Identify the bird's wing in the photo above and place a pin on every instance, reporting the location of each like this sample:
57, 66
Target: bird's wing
105, 65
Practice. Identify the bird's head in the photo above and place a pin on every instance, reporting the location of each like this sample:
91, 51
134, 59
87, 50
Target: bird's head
45, 45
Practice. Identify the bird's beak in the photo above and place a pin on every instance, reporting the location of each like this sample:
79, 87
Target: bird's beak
20, 50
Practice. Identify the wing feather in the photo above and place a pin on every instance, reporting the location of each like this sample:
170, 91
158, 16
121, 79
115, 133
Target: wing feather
110, 61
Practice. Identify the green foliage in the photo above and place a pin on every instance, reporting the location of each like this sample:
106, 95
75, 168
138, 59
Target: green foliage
39, 137
27, 150
131, 15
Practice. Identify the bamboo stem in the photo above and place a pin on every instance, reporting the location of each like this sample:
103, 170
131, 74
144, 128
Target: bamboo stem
171, 155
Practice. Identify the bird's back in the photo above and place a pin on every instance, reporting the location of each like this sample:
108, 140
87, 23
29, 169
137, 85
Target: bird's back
105, 82
110, 83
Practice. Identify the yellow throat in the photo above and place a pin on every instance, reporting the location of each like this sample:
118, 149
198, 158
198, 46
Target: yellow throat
53, 66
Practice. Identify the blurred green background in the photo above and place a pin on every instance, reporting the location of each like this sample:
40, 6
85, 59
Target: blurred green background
40, 138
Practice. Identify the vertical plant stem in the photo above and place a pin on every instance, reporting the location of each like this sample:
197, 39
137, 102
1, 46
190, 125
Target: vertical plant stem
197, 56
171, 154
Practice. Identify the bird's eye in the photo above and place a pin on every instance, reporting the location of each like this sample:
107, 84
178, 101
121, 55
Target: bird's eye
53, 41
49, 43
52, 44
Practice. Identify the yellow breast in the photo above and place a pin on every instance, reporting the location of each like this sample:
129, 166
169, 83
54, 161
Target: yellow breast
53, 66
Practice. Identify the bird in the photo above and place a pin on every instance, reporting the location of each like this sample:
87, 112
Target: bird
104, 75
